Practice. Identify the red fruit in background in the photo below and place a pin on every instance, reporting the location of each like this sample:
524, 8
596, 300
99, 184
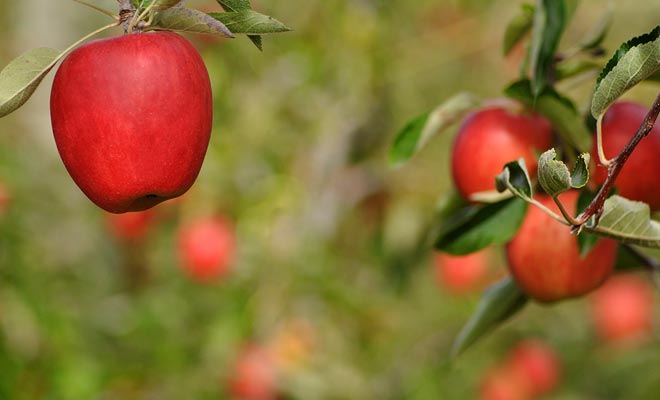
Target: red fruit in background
622, 309
4, 198
538, 364
638, 180
490, 138
254, 376
131, 226
132, 118
544, 259
462, 274
504, 383
206, 248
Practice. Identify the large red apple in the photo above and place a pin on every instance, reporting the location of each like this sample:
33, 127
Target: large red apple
132, 118
622, 309
462, 274
544, 258
638, 180
206, 248
490, 138
537, 363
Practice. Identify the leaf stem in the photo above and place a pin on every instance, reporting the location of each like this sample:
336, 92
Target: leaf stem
602, 158
562, 209
99, 9
615, 165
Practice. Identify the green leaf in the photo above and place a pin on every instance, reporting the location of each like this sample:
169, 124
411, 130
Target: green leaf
556, 108
500, 302
549, 23
595, 37
633, 62
21, 77
571, 68
188, 20
627, 221
586, 241
418, 132
476, 226
165, 4
250, 22
519, 26
554, 176
515, 178
237, 6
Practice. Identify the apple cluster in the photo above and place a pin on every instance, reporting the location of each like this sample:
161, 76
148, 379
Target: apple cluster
544, 257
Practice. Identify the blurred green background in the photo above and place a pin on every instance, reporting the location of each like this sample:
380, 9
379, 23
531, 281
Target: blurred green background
328, 270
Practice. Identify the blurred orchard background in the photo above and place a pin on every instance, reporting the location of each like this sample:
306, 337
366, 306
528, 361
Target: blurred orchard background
329, 291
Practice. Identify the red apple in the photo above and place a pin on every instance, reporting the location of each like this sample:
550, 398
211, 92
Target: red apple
462, 274
537, 363
504, 383
622, 309
544, 258
490, 138
206, 248
131, 226
254, 376
132, 118
638, 180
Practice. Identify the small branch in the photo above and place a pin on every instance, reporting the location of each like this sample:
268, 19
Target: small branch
615, 166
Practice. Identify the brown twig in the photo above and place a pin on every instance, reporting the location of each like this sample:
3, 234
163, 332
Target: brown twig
615, 166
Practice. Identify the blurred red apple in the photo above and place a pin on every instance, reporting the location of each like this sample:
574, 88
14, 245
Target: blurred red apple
206, 248
490, 138
254, 376
622, 309
462, 274
131, 226
544, 258
132, 118
638, 179
504, 383
4, 198
538, 364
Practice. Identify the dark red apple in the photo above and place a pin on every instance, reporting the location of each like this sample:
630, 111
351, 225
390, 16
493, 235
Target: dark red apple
462, 274
622, 309
638, 180
132, 118
544, 258
490, 138
538, 364
254, 376
206, 248
131, 226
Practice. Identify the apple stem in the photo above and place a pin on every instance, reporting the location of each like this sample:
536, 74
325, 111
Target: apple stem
614, 167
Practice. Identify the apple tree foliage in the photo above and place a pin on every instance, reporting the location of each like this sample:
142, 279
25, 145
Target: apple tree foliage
463, 228
21, 77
